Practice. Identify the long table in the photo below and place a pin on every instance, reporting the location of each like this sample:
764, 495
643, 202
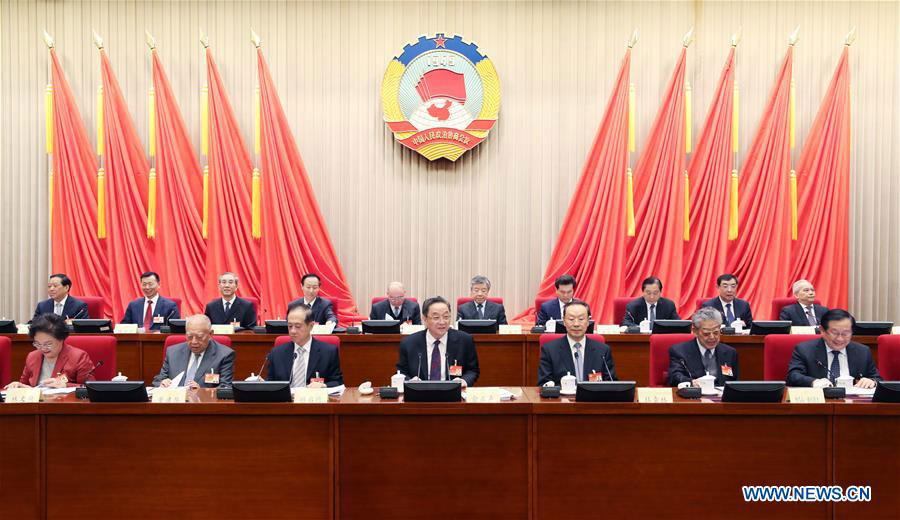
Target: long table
359, 456
510, 360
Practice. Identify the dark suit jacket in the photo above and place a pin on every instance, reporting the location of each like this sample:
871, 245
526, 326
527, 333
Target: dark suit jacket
810, 361
323, 358
556, 360
689, 352
73, 307
73, 362
794, 312
408, 311
413, 357
242, 311
322, 310
740, 308
165, 307
636, 311
492, 311
550, 311
217, 357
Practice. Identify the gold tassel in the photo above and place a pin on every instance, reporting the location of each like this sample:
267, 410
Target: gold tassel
733, 207
151, 205
151, 110
101, 203
256, 122
100, 120
793, 113
255, 201
629, 202
632, 113
687, 206
48, 115
205, 201
793, 205
204, 121
734, 120
687, 117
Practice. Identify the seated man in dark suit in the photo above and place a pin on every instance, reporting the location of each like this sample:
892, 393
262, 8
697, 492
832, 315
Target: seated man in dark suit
322, 308
306, 362
805, 312
691, 360
438, 353
731, 307
650, 306
575, 353
152, 311
820, 362
396, 306
59, 301
480, 308
230, 308
552, 309
196, 362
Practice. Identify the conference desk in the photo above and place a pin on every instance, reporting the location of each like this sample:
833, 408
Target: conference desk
363, 457
510, 360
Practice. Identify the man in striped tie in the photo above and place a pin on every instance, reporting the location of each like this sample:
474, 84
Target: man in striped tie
304, 361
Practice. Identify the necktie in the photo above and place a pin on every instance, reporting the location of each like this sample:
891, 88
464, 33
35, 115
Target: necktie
397, 312
298, 374
579, 363
652, 313
148, 317
811, 316
435, 373
481, 311
729, 316
709, 362
191, 370
57, 308
227, 308
835, 367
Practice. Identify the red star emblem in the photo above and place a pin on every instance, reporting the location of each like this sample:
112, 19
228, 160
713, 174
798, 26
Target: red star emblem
440, 41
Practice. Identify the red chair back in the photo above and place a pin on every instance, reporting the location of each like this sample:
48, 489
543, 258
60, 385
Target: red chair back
99, 348
659, 356
780, 303
619, 304
376, 299
537, 304
177, 304
326, 338
550, 337
465, 299
889, 357
255, 302
777, 350
95, 306
5, 361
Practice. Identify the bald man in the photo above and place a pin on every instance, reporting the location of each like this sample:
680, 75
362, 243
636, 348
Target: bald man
200, 361
396, 306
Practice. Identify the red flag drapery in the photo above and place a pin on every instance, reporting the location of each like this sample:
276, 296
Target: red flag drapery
657, 247
821, 249
179, 236
230, 244
592, 236
760, 257
294, 238
710, 179
76, 250
128, 249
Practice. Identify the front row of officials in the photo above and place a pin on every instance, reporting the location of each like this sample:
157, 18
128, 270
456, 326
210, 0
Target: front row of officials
442, 353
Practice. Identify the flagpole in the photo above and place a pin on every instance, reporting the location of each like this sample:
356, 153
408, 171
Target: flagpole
204, 137
49, 129
632, 146
256, 189
792, 120
734, 200
686, 41
151, 145
101, 172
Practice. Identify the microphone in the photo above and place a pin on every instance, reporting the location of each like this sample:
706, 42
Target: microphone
170, 314
687, 369
79, 314
608, 373
419, 368
266, 362
91, 371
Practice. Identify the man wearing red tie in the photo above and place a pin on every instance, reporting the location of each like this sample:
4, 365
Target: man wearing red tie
152, 311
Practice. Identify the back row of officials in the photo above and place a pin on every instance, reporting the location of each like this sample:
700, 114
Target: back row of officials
442, 353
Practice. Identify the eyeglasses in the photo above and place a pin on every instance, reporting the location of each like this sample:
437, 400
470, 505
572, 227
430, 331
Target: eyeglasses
839, 334
42, 346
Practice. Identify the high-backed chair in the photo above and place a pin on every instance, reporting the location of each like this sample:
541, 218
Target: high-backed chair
99, 348
5, 361
780, 303
95, 306
889, 357
777, 350
659, 356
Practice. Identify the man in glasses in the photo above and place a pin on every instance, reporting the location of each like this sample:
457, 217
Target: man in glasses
198, 362
396, 306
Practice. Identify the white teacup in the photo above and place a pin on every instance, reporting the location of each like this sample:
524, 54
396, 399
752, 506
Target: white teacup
550, 326
845, 382
397, 381
568, 384
708, 385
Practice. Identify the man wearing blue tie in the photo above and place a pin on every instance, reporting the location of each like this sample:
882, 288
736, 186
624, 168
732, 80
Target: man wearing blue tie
575, 354
731, 307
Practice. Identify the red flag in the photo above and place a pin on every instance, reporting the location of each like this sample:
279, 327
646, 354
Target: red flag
592, 238
231, 246
657, 246
820, 251
295, 239
710, 175
128, 249
180, 242
76, 250
760, 257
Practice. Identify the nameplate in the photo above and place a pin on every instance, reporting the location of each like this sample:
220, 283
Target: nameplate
126, 328
177, 394
654, 395
894, 330
23, 395
510, 329
22, 328
485, 394
318, 328
223, 329
803, 330
806, 395
410, 328
607, 329
310, 395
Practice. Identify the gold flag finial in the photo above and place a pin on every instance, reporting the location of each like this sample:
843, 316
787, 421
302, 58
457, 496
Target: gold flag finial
688, 38
794, 36
151, 41
850, 38
633, 39
48, 39
204, 39
98, 41
257, 41
736, 37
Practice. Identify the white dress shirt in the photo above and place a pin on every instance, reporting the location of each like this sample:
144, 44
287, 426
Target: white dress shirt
429, 347
648, 304
842, 360
302, 356
191, 359
154, 300
703, 351
572, 343
62, 306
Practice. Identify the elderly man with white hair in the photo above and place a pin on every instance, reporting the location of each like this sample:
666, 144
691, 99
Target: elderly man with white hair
198, 362
396, 306
691, 360
805, 312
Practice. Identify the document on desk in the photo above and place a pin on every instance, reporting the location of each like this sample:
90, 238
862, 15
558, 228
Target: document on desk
855, 390
336, 390
176, 381
59, 391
